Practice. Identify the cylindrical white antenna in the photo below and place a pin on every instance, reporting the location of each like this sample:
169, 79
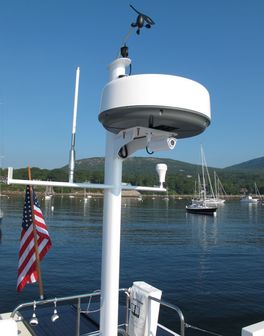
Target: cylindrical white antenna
161, 169
75, 105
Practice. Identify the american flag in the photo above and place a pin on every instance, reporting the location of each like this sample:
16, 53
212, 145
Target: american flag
27, 266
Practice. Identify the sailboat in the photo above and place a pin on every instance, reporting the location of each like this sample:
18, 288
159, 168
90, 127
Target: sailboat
219, 191
201, 203
49, 192
85, 196
261, 200
250, 199
200, 206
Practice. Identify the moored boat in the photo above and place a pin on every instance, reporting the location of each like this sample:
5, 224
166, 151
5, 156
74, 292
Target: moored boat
201, 203
200, 207
249, 199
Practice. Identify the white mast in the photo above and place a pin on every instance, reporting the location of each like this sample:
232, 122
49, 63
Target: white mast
72, 150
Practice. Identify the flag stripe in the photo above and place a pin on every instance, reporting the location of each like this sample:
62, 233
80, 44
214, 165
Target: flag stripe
27, 265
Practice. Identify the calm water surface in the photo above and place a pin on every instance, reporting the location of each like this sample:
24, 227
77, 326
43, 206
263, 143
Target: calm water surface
211, 267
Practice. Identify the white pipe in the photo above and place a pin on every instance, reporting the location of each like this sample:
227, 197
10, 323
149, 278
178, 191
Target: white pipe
75, 105
10, 180
143, 188
118, 67
59, 184
111, 241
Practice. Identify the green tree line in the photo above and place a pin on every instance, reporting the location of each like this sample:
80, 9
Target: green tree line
234, 182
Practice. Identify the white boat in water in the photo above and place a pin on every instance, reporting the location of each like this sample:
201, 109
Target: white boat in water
252, 199
201, 203
49, 193
249, 199
127, 104
201, 207
219, 192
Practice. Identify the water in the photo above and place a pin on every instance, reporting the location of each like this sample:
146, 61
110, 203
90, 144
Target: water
211, 267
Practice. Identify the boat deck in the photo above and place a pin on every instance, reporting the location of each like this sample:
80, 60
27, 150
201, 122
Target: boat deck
66, 324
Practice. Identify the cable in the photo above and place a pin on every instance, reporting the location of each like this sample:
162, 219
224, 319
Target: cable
203, 330
123, 153
147, 150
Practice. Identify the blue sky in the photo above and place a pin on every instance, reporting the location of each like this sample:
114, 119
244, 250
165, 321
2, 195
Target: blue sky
217, 43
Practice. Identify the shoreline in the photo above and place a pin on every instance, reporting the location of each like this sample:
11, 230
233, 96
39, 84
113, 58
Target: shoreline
125, 193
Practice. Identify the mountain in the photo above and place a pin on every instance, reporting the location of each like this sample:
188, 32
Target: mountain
138, 165
181, 176
255, 164
146, 165
91, 164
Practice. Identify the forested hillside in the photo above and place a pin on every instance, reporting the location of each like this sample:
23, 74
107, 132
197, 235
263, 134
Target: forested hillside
180, 178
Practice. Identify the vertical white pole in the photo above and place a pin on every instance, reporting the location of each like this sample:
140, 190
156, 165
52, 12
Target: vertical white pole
111, 241
75, 105
111, 224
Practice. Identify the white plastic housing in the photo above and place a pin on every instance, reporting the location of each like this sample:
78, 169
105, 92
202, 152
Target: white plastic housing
177, 105
161, 169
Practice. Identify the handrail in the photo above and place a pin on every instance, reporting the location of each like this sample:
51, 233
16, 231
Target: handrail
65, 298
46, 301
94, 294
173, 307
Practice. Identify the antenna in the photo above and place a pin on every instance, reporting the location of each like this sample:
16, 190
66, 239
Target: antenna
72, 150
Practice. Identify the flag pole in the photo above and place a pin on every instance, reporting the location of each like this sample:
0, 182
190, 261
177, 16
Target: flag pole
41, 289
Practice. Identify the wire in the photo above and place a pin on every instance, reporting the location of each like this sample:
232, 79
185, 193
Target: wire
87, 311
147, 150
203, 330
123, 153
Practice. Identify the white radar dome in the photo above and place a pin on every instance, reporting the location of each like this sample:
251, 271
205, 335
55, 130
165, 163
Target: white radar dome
177, 105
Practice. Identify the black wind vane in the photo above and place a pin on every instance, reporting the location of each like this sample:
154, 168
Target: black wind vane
142, 21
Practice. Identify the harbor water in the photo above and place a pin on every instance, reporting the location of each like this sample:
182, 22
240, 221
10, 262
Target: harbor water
210, 266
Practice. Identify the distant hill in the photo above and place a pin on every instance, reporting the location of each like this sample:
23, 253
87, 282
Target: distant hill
138, 165
91, 164
181, 176
255, 164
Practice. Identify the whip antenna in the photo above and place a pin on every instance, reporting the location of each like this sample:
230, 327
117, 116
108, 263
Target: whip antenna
72, 150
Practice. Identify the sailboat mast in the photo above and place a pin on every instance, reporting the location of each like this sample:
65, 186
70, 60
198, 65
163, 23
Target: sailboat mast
216, 186
72, 150
205, 167
203, 176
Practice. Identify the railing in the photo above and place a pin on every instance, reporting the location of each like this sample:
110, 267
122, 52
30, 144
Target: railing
78, 299
177, 310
